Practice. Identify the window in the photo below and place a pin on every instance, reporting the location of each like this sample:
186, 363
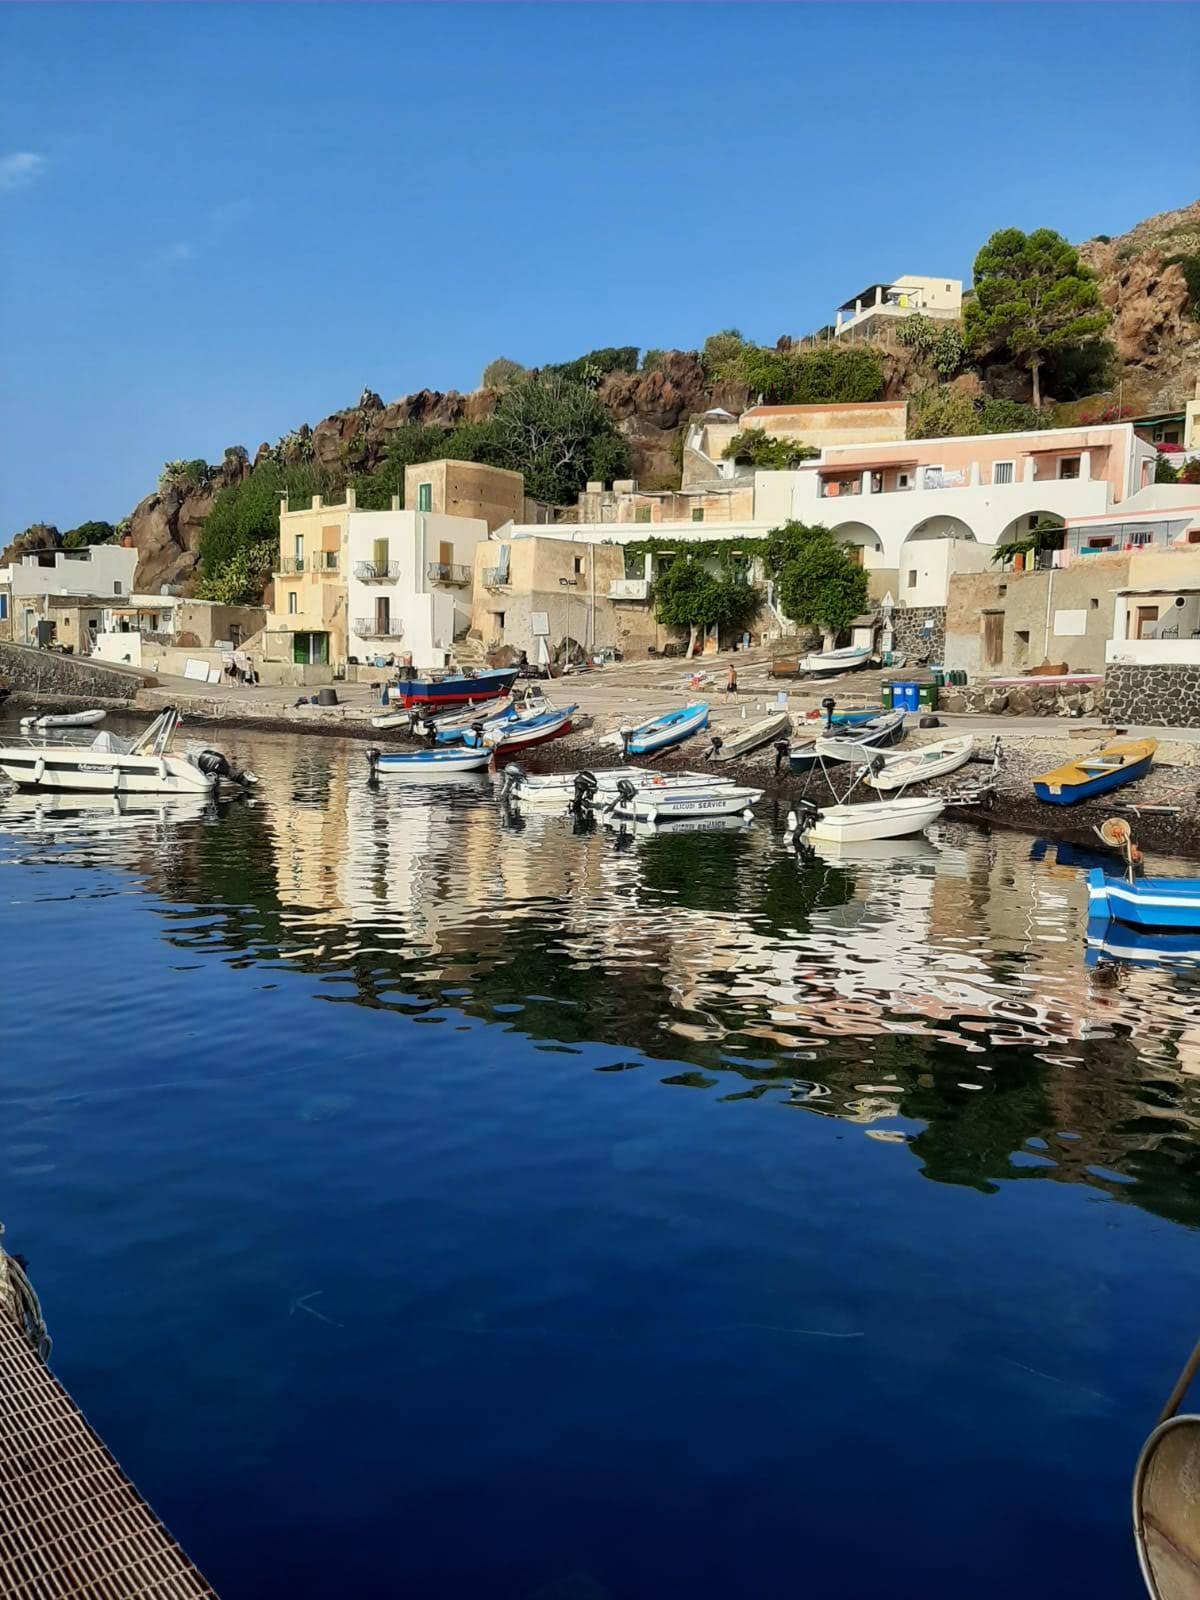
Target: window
578, 565
292, 607
1096, 543
1171, 436
1023, 636
697, 513
1002, 588
499, 616
877, 483
1068, 467
1002, 471
1094, 603
1142, 536
912, 577
424, 497
298, 550
3, 608
117, 586
641, 513
902, 480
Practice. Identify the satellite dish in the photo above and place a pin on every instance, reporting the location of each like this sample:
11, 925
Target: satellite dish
1116, 832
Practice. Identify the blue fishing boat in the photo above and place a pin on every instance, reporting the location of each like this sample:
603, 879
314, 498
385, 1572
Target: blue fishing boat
1118, 763
660, 733
454, 688
426, 763
1140, 946
1145, 903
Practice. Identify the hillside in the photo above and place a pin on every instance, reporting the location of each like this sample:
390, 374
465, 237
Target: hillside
1154, 334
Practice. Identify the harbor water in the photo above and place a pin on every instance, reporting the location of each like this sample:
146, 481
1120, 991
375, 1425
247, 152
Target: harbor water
431, 1201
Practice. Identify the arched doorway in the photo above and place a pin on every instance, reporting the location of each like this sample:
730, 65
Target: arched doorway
934, 549
861, 542
1029, 530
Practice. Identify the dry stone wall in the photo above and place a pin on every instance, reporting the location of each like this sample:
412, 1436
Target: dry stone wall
48, 672
911, 634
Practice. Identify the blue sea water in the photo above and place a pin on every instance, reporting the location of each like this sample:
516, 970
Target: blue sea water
430, 1202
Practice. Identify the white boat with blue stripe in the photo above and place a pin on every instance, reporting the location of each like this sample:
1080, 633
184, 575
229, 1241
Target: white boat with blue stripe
660, 733
1145, 903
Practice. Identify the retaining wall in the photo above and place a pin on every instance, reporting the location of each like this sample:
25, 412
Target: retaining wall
49, 672
910, 634
1165, 695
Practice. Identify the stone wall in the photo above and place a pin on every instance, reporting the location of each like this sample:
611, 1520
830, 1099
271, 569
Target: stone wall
1164, 695
912, 638
1049, 698
47, 672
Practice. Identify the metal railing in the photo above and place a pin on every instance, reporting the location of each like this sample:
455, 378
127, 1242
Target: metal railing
376, 571
289, 566
378, 627
448, 572
294, 566
495, 577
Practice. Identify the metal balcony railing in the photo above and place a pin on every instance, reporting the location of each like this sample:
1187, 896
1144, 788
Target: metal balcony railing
294, 566
495, 577
378, 627
289, 566
448, 572
376, 571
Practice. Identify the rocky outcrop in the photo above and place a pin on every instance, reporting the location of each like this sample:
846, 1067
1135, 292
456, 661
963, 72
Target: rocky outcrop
1156, 336
166, 526
650, 407
41, 536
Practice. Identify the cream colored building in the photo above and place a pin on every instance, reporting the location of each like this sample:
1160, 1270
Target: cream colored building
854, 422
466, 489
533, 592
308, 626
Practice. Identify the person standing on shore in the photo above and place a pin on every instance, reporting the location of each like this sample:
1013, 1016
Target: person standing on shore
731, 683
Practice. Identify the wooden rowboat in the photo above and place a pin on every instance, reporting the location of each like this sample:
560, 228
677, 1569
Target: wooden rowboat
1122, 761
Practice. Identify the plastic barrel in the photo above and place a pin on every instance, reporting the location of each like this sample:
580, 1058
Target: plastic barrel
904, 696
927, 696
885, 695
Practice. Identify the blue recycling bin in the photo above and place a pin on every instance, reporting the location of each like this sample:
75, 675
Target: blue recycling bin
905, 695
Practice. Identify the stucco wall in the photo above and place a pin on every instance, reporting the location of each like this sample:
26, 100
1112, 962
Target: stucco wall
1039, 604
542, 576
857, 422
467, 489
103, 569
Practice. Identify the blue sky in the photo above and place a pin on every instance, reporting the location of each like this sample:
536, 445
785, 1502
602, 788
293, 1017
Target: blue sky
219, 222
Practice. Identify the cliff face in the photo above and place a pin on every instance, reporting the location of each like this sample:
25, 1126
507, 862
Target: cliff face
1156, 337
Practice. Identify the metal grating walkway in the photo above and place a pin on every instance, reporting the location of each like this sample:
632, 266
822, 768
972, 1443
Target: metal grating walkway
72, 1526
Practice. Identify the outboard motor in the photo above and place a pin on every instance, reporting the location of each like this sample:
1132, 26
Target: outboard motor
582, 805
806, 814
477, 730
626, 792
626, 736
827, 706
214, 765
782, 752
714, 749
514, 777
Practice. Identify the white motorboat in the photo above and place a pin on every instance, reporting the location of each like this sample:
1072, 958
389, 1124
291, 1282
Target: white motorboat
875, 819
557, 788
64, 719
824, 662
859, 744
672, 805
742, 738
111, 765
918, 766
426, 764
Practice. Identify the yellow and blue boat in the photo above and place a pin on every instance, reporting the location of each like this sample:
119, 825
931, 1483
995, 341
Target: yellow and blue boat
1123, 761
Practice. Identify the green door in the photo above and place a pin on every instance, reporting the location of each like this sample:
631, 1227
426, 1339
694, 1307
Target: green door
424, 497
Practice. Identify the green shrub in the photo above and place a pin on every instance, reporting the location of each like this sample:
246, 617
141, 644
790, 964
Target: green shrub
1190, 266
767, 451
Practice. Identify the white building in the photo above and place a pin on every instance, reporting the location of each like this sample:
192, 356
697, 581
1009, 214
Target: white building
409, 583
97, 572
939, 298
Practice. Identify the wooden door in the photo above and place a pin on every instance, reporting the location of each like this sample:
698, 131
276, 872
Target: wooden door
381, 557
1147, 617
446, 552
993, 638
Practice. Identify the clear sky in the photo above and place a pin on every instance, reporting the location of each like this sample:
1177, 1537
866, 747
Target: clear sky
217, 222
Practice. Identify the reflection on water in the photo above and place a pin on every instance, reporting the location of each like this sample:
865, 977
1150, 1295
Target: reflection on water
395, 1080
940, 987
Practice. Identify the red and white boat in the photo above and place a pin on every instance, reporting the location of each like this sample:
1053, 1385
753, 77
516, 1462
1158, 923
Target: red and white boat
508, 737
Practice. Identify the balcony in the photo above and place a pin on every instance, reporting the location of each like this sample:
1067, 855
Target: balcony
376, 571
629, 589
448, 572
296, 566
495, 577
378, 627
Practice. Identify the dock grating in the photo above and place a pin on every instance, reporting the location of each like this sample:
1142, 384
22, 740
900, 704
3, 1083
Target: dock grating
72, 1525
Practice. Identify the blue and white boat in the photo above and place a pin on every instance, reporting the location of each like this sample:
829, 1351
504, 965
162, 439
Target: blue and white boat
1145, 903
426, 763
660, 733
1140, 946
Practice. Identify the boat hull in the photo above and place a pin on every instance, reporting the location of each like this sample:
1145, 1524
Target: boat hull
431, 763
526, 738
920, 767
860, 824
743, 740
559, 788
452, 691
82, 771
661, 734
1162, 903
826, 662
1071, 794
862, 744
679, 805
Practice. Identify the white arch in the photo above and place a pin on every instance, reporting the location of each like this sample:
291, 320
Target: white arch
933, 548
1020, 526
862, 537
